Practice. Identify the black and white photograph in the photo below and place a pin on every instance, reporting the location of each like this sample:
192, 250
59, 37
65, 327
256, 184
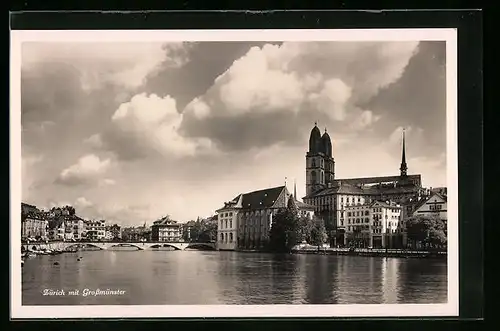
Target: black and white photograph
252, 173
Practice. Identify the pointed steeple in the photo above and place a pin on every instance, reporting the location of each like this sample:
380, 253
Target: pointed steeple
295, 189
403, 167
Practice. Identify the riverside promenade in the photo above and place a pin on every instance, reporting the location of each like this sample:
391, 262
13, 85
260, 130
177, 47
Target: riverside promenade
381, 252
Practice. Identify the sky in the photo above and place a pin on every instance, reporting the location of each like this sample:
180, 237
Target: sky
131, 132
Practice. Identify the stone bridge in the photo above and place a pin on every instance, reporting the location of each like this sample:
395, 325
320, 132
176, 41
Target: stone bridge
64, 245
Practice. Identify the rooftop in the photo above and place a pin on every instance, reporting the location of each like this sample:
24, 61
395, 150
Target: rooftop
262, 199
342, 187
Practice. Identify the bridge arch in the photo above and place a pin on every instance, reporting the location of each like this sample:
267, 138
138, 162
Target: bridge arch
78, 245
165, 245
127, 245
201, 245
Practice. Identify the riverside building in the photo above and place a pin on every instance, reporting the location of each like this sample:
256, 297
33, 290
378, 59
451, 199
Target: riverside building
373, 224
166, 230
245, 221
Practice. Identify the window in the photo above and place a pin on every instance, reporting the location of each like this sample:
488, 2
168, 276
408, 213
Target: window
230, 223
313, 177
222, 237
435, 207
231, 237
367, 212
226, 223
313, 164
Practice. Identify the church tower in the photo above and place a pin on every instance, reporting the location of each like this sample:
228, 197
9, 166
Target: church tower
329, 161
315, 167
403, 168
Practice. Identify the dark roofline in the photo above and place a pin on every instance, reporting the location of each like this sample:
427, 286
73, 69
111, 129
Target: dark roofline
370, 204
265, 189
376, 180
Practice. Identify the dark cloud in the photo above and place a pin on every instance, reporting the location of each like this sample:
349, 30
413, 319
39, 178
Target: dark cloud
207, 60
418, 99
49, 91
292, 87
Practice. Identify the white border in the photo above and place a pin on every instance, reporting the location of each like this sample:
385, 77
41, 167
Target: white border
380, 310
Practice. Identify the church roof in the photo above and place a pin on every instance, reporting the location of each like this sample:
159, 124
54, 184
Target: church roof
265, 198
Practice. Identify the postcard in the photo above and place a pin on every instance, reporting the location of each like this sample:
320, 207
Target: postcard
224, 173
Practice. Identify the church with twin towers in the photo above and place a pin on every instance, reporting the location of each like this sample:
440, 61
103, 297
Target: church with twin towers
333, 198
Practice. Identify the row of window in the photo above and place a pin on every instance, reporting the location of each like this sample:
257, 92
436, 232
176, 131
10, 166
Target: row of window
225, 222
357, 220
358, 213
226, 214
226, 237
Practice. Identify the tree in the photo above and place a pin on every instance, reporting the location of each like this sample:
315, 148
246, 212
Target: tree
306, 226
318, 232
427, 230
285, 231
71, 210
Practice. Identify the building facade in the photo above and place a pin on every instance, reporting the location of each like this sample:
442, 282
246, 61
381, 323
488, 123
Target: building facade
435, 204
227, 224
373, 224
245, 221
166, 230
331, 196
34, 227
95, 230
74, 228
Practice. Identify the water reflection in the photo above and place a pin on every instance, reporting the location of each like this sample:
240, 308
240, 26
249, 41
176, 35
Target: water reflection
208, 277
390, 275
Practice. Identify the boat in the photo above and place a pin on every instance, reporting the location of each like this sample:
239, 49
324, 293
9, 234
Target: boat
29, 254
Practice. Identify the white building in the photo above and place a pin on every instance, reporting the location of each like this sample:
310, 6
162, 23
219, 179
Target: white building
95, 230
435, 204
166, 230
227, 218
373, 224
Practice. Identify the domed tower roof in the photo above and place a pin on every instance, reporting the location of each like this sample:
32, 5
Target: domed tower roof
315, 140
326, 144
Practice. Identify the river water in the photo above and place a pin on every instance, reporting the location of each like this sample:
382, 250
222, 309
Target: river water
213, 277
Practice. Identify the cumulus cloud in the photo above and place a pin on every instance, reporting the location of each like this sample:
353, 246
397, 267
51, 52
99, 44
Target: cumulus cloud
298, 84
124, 64
82, 202
365, 119
94, 141
149, 124
88, 168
